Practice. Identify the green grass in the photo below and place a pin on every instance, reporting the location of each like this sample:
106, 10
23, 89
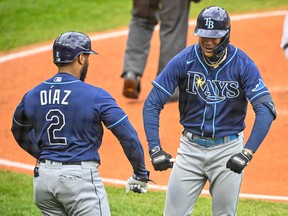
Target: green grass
16, 199
25, 22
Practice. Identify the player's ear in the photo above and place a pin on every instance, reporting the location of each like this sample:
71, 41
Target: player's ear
81, 59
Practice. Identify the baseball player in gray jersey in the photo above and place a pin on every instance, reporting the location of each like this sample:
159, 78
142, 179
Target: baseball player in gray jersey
284, 42
215, 80
60, 123
173, 17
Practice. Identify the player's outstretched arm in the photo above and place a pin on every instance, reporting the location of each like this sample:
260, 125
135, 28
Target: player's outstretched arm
132, 147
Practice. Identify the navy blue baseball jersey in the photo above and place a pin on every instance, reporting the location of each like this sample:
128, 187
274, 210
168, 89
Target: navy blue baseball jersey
65, 116
208, 95
212, 101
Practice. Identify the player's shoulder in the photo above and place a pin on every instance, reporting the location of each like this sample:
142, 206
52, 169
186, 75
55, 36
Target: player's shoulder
96, 91
189, 50
238, 54
187, 54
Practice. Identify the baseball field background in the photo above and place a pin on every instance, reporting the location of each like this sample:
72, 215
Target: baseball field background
27, 30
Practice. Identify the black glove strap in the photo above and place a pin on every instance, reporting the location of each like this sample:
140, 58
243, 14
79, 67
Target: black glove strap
247, 154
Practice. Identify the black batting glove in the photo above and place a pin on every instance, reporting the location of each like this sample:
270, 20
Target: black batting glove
239, 161
160, 159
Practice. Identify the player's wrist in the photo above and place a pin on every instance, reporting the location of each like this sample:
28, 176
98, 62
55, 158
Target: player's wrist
249, 150
154, 150
248, 154
142, 175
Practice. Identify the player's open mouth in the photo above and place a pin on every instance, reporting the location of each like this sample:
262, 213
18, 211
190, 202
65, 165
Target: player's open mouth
208, 49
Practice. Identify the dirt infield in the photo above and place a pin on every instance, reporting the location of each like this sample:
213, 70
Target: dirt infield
259, 38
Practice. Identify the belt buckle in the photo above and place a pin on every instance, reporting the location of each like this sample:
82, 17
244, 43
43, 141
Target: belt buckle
209, 142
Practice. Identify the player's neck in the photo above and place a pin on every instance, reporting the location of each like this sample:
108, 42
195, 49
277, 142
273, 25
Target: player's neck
214, 62
70, 69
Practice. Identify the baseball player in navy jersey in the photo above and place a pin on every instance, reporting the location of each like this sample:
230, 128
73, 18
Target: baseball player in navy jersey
216, 80
59, 122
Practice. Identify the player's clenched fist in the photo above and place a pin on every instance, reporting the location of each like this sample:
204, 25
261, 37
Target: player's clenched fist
239, 161
160, 159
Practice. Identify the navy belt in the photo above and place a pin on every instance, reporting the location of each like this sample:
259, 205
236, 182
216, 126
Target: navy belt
63, 163
208, 141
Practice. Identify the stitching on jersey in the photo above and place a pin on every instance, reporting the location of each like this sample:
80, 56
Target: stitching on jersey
110, 126
55, 83
161, 88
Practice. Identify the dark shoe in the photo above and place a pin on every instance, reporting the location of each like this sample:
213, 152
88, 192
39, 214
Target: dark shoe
174, 97
131, 85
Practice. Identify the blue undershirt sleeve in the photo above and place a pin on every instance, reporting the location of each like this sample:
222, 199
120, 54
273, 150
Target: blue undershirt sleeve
151, 112
128, 138
262, 123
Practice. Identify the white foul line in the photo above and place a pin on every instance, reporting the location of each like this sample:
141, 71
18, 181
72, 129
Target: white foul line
104, 36
151, 186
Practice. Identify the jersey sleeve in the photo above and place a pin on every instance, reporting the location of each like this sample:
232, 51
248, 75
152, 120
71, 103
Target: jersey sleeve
20, 116
22, 130
115, 119
252, 83
168, 79
132, 147
110, 112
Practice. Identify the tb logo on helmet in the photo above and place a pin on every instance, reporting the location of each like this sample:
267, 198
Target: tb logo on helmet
209, 23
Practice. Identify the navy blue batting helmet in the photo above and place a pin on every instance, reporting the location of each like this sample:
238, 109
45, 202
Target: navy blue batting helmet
69, 45
212, 22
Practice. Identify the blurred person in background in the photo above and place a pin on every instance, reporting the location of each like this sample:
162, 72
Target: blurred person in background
173, 17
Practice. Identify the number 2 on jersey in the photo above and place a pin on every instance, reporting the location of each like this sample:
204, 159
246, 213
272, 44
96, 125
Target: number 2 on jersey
57, 119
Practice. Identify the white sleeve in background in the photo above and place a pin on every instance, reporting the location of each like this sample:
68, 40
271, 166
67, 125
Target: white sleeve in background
284, 42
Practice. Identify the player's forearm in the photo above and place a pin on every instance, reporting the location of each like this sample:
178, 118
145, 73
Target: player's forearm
151, 121
127, 136
260, 128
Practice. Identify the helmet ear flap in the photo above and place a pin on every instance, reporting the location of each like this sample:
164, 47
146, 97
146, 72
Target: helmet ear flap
222, 46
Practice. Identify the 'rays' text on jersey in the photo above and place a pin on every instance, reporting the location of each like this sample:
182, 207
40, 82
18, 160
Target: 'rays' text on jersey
54, 96
211, 91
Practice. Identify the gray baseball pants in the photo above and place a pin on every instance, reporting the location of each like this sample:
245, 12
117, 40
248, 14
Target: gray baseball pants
195, 165
72, 190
